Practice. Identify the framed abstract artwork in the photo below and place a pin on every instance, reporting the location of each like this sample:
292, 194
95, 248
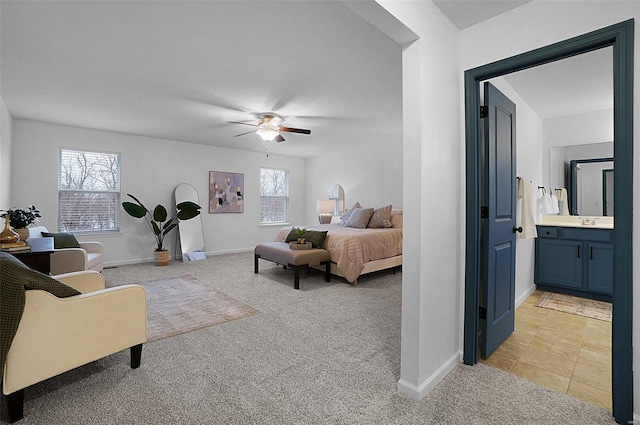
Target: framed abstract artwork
226, 192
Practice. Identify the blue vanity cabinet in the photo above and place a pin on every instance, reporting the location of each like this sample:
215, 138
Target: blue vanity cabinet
575, 261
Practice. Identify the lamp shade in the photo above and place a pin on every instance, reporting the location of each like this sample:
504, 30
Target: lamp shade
325, 206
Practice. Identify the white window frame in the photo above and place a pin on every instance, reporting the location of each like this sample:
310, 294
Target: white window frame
264, 198
109, 222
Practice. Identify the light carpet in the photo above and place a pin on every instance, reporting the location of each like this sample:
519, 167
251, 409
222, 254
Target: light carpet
182, 304
593, 309
328, 353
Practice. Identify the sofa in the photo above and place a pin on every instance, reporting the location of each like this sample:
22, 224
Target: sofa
83, 256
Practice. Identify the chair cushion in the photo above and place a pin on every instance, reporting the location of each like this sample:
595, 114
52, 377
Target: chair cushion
62, 240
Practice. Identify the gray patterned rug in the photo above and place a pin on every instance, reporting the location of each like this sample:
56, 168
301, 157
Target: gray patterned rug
183, 304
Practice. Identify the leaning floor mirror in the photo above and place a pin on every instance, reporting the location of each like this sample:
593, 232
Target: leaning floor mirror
190, 231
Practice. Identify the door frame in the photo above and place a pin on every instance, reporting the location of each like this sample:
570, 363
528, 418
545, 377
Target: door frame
620, 37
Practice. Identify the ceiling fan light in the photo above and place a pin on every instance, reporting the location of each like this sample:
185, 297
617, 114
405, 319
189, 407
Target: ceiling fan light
267, 134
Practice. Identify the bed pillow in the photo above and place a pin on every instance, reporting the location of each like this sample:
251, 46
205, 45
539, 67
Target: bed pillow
396, 218
316, 237
381, 218
359, 218
62, 240
346, 215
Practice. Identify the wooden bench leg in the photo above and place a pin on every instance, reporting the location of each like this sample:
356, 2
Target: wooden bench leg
296, 276
255, 263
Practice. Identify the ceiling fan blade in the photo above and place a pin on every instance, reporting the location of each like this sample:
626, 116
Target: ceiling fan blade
279, 138
246, 132
295, 130
243, 123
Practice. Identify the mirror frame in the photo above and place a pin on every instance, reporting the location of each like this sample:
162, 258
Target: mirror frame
573, 206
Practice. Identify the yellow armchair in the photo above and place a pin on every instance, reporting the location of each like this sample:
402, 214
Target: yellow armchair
56, 335
88, 256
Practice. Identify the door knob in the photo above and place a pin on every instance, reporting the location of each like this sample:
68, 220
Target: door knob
517, 229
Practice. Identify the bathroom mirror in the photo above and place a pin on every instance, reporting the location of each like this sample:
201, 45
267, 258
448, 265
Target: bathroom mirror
190, 231
589, 187
560, 171
336, 193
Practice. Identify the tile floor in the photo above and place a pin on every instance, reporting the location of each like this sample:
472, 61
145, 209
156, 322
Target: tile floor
562, 351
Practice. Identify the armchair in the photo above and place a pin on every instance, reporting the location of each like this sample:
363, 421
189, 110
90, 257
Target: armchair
88, 256
55, 335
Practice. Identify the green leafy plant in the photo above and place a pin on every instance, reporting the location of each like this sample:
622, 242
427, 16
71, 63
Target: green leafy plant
20, 218
300, 232
158, 221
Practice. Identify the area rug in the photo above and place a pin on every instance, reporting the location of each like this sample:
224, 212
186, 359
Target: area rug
183, 304
593, 309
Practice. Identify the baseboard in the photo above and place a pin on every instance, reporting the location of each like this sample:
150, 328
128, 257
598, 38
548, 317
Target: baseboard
108, 264
417, 393
522, 298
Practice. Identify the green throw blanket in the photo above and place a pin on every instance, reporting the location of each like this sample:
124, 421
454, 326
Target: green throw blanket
15, 279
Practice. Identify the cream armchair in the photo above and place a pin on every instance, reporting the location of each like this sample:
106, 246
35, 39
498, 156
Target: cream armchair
89, 256
56, 335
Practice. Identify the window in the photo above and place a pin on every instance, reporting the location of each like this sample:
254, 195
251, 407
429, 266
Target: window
274, 196
88, 191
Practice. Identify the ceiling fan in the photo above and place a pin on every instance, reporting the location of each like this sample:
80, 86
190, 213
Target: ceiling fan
269, 127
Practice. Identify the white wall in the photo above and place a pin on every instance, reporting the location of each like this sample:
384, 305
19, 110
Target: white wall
433, 211
5, 157
369, 170
151, 169
529, 146
541, 23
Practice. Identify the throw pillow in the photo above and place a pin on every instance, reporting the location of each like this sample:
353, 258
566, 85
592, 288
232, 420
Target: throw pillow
316, 237
346, 215
396, 218
62, 240
359, 218
381, 218
292, 236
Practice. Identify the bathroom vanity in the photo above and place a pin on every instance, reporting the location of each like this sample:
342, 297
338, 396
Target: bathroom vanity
575, 258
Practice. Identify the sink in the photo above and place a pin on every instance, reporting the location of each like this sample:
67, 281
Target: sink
577, 221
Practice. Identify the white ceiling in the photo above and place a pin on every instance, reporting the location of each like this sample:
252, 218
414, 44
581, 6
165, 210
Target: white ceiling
180, 70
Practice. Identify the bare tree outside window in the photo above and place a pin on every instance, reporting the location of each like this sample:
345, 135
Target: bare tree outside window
274, 196
88, 191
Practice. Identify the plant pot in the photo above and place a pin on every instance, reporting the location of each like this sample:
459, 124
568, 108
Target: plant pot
23, 233
161, 257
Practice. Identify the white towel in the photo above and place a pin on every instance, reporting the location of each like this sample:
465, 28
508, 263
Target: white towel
563, 200
526, 210
554, 204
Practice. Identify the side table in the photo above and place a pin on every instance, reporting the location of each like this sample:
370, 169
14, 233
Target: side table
35, 259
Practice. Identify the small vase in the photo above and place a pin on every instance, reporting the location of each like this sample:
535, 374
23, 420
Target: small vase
161, 257
23, 233
8, 235
301, 241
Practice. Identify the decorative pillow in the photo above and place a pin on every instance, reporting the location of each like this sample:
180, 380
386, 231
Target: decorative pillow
345, 216
396, 218
381, 218
316, 237
359, 218
62, 240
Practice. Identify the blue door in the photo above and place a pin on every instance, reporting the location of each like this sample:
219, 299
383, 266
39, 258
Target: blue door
498, 258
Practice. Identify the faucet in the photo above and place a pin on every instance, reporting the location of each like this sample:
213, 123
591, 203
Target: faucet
593, 222
586, 220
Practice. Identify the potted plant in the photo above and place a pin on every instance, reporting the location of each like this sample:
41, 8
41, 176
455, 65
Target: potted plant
300, 232
20, 218
159, 222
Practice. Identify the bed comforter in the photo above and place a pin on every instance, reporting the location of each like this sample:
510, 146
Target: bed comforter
352, 248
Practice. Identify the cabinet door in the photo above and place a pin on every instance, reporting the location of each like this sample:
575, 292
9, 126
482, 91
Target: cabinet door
600, 267
559, 263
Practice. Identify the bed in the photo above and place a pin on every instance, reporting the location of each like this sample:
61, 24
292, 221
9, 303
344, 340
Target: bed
355, 251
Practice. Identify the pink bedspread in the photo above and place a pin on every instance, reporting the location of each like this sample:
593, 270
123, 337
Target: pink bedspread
352, 248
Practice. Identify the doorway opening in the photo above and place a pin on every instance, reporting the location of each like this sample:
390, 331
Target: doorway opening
620, 37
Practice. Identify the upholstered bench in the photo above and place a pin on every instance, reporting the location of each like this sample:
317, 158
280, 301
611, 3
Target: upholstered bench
280, 253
